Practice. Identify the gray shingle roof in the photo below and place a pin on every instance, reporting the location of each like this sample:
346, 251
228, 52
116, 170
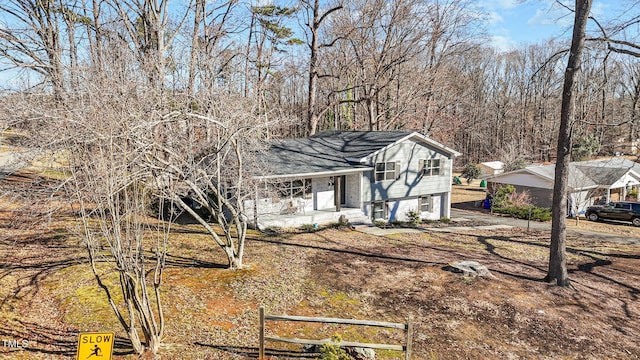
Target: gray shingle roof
584, 174
326, 151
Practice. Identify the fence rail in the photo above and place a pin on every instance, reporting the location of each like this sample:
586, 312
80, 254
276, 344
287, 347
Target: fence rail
408, 328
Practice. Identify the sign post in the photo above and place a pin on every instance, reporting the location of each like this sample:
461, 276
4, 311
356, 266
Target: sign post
95, 346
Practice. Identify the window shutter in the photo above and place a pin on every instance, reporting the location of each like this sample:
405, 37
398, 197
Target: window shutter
421, 167
397, 169
443, 167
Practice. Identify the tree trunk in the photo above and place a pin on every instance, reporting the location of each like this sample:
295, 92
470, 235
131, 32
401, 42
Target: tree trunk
557, 251
312, 115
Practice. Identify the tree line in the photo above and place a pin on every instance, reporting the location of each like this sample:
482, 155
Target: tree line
358, 65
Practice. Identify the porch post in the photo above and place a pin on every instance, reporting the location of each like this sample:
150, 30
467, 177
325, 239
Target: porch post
337, 190
255, 206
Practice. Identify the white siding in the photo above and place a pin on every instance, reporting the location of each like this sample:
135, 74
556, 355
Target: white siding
523, 179
411, 182
352, 187
323, 194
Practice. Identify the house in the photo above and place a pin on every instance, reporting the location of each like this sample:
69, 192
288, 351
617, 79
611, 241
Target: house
589, 182
623, 146
361, 175
491, 168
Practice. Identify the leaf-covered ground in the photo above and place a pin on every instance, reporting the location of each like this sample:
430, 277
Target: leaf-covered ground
48, 295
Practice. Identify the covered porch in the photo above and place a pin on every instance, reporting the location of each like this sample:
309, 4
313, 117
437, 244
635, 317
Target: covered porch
313, 217
307, 199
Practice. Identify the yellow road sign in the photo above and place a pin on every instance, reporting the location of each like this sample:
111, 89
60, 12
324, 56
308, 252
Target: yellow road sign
95, 346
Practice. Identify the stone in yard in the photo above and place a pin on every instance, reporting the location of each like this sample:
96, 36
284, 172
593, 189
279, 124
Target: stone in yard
469, 268
359, 353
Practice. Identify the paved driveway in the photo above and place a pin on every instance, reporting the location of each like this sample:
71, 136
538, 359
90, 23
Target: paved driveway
542, 226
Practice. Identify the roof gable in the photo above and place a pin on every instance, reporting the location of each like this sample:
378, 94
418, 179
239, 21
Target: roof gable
335, 151
583, 174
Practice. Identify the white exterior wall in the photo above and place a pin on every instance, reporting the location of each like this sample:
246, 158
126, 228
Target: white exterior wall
353, 186
397, 210
580, 200
323, 194
436, 206
524, 179
411, 183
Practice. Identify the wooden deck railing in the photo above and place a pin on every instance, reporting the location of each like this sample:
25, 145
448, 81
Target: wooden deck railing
408, 328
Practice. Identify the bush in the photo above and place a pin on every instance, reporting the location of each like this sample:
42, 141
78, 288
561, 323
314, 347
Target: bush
522, 212
445, 220
381, 224
413, 217
309, 228
333, 351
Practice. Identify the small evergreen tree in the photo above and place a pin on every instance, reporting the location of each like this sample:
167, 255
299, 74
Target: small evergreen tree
470, 172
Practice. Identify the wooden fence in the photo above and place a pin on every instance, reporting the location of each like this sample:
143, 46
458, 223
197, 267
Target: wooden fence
408, 328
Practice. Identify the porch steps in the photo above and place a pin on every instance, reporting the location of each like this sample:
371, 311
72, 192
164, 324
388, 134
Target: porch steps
359, 219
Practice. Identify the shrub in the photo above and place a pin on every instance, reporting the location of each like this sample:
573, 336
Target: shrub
413, 216
522, 212
273, 230
381, 224
309, 228
333, 351
445, 220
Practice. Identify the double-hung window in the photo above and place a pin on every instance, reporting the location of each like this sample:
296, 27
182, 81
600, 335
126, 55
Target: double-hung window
431, 167
379, 210
425, 203
385, 171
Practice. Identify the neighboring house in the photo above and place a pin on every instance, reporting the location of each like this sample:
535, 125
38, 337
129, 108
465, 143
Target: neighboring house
491, 168
363, 175
623, 146
590, 182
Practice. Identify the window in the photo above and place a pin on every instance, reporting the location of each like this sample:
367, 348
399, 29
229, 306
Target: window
378, 210
385, 171
431, 167
625, 206
295, 189
425, 203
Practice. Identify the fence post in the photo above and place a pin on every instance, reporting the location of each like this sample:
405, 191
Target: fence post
407, 353
261, 346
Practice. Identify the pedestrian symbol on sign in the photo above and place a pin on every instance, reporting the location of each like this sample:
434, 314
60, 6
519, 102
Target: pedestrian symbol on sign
96, 351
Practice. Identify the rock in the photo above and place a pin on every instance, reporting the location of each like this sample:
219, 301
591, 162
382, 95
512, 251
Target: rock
359, 353
469, 268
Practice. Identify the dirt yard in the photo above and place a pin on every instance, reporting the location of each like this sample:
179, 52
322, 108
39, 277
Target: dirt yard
47, 295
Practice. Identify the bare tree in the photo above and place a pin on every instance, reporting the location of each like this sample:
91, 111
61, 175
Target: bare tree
114, 203
557, 251
212, 180
33, 41
314, 19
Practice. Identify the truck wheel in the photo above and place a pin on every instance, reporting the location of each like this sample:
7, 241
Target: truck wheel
593, 216
636, 221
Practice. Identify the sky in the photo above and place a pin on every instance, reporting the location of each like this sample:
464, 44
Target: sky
515, 23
